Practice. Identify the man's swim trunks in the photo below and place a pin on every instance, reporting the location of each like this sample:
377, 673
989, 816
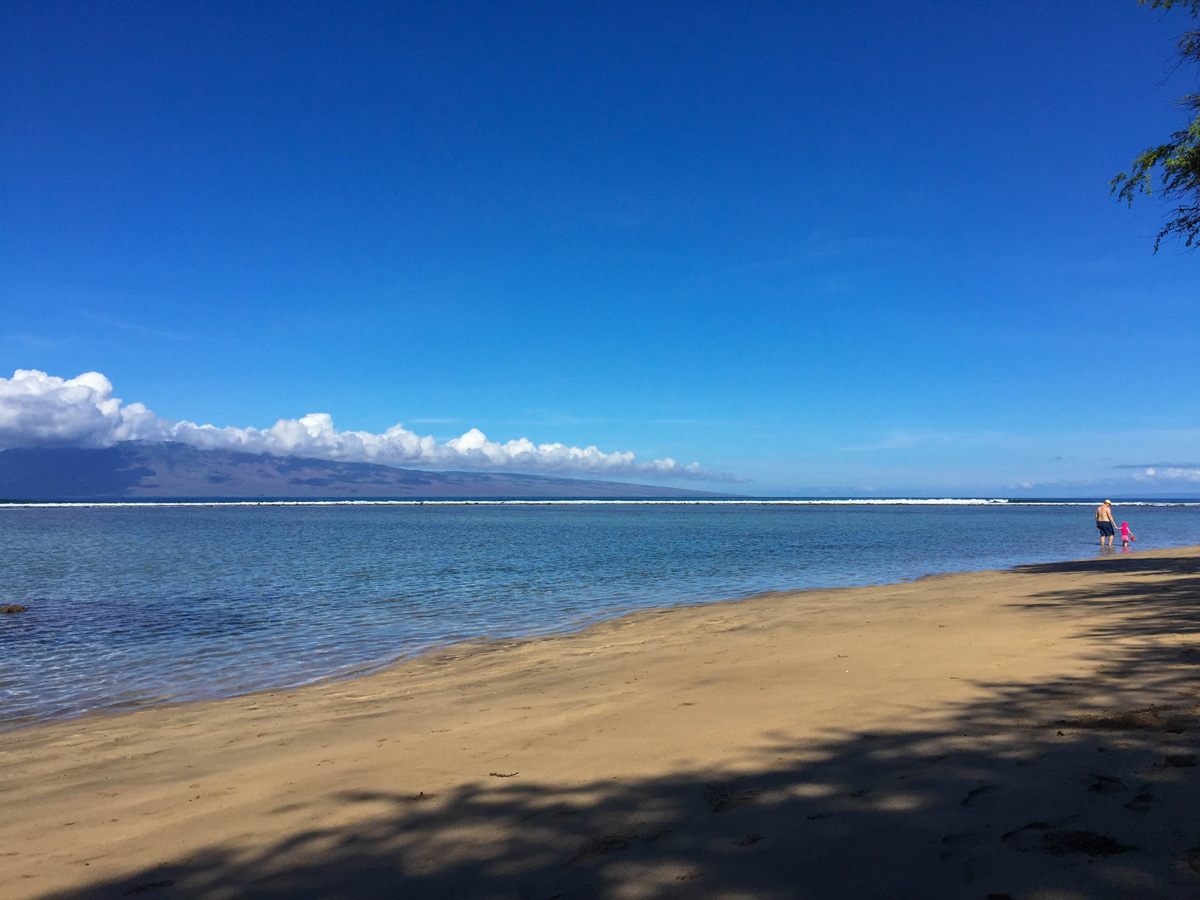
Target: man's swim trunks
1106, 528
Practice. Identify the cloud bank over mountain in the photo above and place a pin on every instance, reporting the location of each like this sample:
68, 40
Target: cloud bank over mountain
41, 410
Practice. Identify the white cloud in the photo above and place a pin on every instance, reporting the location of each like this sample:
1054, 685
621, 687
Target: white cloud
37, 409
40, 410
1169, 473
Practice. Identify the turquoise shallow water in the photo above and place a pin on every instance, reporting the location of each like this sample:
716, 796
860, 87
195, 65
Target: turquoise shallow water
132, 606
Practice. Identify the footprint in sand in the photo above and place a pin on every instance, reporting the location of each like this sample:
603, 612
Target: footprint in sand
1107, 784
609, 843
1063, 842
978, 795
722, 799
1141, 803
1089, 843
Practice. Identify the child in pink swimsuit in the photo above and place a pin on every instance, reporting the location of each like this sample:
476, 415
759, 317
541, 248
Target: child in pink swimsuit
1126, 536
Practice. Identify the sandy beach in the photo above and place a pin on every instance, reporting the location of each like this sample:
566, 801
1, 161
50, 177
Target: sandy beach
1026, 734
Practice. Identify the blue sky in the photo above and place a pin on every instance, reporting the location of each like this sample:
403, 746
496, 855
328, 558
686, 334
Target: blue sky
817, 248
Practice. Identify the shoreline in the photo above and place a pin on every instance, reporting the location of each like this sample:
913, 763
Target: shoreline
368, 669
852, 738
171, 692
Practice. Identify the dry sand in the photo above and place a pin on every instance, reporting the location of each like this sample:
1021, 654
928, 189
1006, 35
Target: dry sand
1026, 734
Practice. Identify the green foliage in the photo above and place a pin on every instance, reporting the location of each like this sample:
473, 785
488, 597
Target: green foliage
1176, 164
1193, 5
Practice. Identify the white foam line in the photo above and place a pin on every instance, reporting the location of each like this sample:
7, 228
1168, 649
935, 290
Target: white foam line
867, 501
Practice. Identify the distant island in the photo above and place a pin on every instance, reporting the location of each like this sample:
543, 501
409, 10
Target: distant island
138, 470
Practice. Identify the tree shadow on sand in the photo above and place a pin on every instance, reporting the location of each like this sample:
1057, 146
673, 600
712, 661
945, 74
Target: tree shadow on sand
1038, 791
1149, 617
1163, 606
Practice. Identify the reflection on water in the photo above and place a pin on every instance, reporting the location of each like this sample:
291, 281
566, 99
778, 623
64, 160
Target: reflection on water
135, 606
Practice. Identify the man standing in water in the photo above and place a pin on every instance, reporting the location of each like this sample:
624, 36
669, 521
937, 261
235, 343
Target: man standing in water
1105, 522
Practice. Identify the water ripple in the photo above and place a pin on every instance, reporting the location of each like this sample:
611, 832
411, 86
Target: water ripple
135, 606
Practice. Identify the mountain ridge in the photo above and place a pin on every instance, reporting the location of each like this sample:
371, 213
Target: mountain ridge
136, 470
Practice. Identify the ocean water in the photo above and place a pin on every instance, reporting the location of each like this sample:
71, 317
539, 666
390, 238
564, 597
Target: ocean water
130, 606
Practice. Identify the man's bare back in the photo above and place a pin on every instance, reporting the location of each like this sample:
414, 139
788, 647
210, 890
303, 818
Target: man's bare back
1105, 522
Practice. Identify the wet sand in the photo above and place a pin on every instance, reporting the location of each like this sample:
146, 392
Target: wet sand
1027, 734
